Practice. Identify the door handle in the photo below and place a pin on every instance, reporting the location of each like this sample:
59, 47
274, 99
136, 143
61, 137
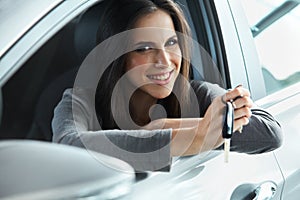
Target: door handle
255, 191
265, 191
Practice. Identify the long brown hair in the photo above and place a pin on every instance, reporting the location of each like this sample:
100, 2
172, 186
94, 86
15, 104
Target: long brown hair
119, 16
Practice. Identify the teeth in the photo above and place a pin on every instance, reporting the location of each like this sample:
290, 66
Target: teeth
159, 77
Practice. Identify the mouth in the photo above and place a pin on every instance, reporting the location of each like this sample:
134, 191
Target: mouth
162, 78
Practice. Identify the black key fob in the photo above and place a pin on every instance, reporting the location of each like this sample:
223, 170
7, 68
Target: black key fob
228, 121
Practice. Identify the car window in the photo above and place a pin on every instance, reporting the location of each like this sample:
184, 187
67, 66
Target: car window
277, 40
26, 14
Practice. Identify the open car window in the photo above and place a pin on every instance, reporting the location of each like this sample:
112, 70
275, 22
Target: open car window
53, 67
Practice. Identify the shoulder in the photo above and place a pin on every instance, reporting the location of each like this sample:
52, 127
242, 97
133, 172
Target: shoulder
77, 100
204, 88
84, 93
78, 104
82, 96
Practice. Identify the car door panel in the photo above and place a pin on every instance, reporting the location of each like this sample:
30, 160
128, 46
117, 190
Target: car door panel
287, 112
284, 104
212, 179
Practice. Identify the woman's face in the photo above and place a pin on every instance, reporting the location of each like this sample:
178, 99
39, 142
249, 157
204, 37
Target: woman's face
154, 66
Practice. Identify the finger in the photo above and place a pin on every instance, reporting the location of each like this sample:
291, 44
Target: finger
236, 93
242, 112
242, 102
238, 123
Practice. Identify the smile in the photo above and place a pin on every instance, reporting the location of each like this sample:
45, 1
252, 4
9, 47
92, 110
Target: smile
161, 79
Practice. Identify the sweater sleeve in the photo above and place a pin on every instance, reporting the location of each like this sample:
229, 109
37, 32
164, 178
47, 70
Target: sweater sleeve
75, 123
262, 134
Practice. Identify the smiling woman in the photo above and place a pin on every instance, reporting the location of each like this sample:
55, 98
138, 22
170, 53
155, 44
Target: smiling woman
158, 61
145, 110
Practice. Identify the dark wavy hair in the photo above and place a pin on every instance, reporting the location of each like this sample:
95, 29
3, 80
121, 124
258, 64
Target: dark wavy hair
119, 16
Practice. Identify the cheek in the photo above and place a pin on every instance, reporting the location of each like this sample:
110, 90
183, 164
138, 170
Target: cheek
177, 59
135, 68
133, 61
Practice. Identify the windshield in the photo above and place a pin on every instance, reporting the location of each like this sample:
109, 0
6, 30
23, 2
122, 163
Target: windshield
25, 13
278, 45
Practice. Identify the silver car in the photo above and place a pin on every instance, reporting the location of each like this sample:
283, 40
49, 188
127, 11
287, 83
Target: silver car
254, 43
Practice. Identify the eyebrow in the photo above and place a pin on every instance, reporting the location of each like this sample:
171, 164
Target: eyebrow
174, 36
144, 43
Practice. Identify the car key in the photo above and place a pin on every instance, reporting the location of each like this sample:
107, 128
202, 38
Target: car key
227, 129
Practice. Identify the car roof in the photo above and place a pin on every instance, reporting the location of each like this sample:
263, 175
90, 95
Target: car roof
19, 16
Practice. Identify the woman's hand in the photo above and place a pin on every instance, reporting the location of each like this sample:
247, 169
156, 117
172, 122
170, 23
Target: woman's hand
242, 103
211, 125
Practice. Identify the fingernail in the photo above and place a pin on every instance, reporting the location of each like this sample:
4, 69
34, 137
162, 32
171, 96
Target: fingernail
233, 105
240, 85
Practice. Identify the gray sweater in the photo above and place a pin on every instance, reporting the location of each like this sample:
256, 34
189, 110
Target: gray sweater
75, 123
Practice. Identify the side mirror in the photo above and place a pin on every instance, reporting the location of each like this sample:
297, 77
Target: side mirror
42, 170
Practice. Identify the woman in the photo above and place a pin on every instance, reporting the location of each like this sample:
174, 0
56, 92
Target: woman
145, 110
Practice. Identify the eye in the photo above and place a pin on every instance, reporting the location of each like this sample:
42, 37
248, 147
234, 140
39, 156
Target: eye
172, 42
144, 48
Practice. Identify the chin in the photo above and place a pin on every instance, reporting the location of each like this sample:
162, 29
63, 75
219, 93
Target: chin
161, 93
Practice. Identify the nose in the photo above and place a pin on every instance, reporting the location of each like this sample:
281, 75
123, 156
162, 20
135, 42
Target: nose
162, 59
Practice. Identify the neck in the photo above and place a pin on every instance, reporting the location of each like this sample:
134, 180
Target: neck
139, 106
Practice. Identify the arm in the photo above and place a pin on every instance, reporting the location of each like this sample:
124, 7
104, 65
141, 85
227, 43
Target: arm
191, 136
75, 123
261, 132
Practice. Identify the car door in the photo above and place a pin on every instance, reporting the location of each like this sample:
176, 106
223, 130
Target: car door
275, 28
206, 176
